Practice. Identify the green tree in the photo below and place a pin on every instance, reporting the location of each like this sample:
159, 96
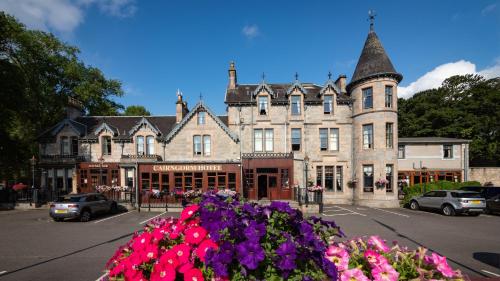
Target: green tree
466, 106
136, 110
38, 73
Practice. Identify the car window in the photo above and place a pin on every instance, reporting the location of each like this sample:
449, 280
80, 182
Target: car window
430, 194
490, 192
473, 188
101, 197
466, 195
440, 194
67, 199
90, 198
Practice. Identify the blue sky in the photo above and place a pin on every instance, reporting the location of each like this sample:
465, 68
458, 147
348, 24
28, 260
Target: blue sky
155, 47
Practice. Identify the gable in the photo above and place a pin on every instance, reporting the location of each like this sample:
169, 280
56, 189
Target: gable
191, 117
144, 123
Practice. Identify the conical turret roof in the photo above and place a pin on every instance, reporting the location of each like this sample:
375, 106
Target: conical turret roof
373, 62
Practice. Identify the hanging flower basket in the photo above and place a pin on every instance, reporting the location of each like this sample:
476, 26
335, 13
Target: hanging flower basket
381, 183
352, 183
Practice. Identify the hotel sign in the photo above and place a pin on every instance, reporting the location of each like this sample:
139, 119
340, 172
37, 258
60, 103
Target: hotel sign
186, 168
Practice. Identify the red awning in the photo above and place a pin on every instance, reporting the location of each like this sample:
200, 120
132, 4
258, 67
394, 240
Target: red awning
19, 186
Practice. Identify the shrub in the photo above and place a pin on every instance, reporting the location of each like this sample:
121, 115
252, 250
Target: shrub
418, 189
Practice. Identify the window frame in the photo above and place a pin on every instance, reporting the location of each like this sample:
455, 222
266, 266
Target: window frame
65, 143
450, 156
293, 140
367, 93
389, 96
150, 146
295, 105
197, 145
323, 139
389, 135
138, 146
329, 103
106, 145
263, 111
268, 140
207, 149
334, 139
401, 150
367, 187
370, 141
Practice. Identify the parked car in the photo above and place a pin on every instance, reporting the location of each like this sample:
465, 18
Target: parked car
82, 206
491, 194
450, 202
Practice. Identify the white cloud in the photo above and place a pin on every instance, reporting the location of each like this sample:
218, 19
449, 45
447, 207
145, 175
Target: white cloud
488, 9
62, 15
250, 31
435, 77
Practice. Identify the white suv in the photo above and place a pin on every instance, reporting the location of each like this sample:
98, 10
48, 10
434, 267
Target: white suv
450, 202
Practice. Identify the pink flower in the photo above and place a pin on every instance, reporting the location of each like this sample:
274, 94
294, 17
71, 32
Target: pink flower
188, 212
140, 242
162, 272
158, 234
378, 243
183, 251
338, 256
442, 265
169, 258
150, 252
195, 235
385, 272
374, 258
193, 275
185, 267
203, 248
354, 274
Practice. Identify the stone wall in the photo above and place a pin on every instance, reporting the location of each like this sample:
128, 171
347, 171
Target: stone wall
485, 174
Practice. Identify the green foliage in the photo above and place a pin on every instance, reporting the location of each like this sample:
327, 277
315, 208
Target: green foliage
418, 189
38, 73
466, 107
136, 110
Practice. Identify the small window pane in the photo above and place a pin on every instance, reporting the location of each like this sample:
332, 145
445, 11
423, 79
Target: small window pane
334, 139
323, 139
327, 104
389, 135
295, 105
448, 151
140, 145
401, 152
368, 136
150, 149
367, 98
258, 139
339, 178
262, 105
269, 139
197, 145
368, 178
296, 139
201, 117
207, 146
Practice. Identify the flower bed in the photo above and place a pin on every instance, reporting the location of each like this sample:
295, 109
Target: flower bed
222, 238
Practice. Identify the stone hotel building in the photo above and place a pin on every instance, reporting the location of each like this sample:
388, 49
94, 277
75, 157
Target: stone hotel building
275, 136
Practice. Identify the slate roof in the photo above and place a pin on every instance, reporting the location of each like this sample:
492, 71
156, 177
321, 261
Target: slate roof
373, 62
244, 94
121, 126
431, 140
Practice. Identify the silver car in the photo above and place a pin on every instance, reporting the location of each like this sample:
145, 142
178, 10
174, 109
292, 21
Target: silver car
82, 206
450, 202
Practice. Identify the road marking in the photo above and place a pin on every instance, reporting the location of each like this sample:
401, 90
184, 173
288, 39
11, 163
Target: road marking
101, 277
2, 272
394, 213
489, 272
114, 217
337, 214
351, 211
486, 216
143, 222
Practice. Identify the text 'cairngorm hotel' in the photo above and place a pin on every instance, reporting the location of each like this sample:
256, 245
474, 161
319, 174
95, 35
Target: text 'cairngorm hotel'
274, 137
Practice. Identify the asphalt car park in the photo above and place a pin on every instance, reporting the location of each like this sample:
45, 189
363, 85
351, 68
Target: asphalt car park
33, 246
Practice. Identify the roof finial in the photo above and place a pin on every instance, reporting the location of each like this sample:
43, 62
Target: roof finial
329, 75
201, 97
371, 18
263, 77
296, 76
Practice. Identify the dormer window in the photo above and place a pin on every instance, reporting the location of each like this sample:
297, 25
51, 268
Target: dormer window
106, 145
328, 104
367, 98
150, 145
140, 145
262, 105
201, 117
65, 148
295, 105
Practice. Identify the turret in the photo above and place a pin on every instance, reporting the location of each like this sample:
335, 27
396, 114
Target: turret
373, 88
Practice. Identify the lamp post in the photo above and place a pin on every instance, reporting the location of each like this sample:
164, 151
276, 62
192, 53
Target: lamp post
306, 163
101, 161
424, 170
33, 163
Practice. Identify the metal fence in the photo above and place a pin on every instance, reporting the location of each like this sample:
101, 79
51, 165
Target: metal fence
305, 197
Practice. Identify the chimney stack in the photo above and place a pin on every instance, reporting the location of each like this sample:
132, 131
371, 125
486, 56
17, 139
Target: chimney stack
341, 83
74, 109
232, 76
180, 107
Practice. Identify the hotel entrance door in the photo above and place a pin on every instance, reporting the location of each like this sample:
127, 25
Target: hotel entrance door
262, 185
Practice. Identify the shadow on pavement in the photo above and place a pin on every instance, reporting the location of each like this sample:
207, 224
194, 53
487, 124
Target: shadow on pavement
492, 259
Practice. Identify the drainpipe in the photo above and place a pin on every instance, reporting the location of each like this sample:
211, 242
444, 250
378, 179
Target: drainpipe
137, 197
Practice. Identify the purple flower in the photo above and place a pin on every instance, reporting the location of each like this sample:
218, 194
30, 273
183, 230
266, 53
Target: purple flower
282, 207
250, 254
226, 251
287, 253
255, 231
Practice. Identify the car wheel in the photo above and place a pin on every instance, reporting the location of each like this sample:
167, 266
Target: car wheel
487, 211
85, 216
448, 210
114, 208
414, 205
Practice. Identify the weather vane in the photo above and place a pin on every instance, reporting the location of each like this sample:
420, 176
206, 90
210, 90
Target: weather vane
201, 96
296, 76
329, 75
371, 18
263, 77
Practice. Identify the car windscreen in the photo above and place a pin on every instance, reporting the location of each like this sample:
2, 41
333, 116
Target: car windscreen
465, 195
68, 199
